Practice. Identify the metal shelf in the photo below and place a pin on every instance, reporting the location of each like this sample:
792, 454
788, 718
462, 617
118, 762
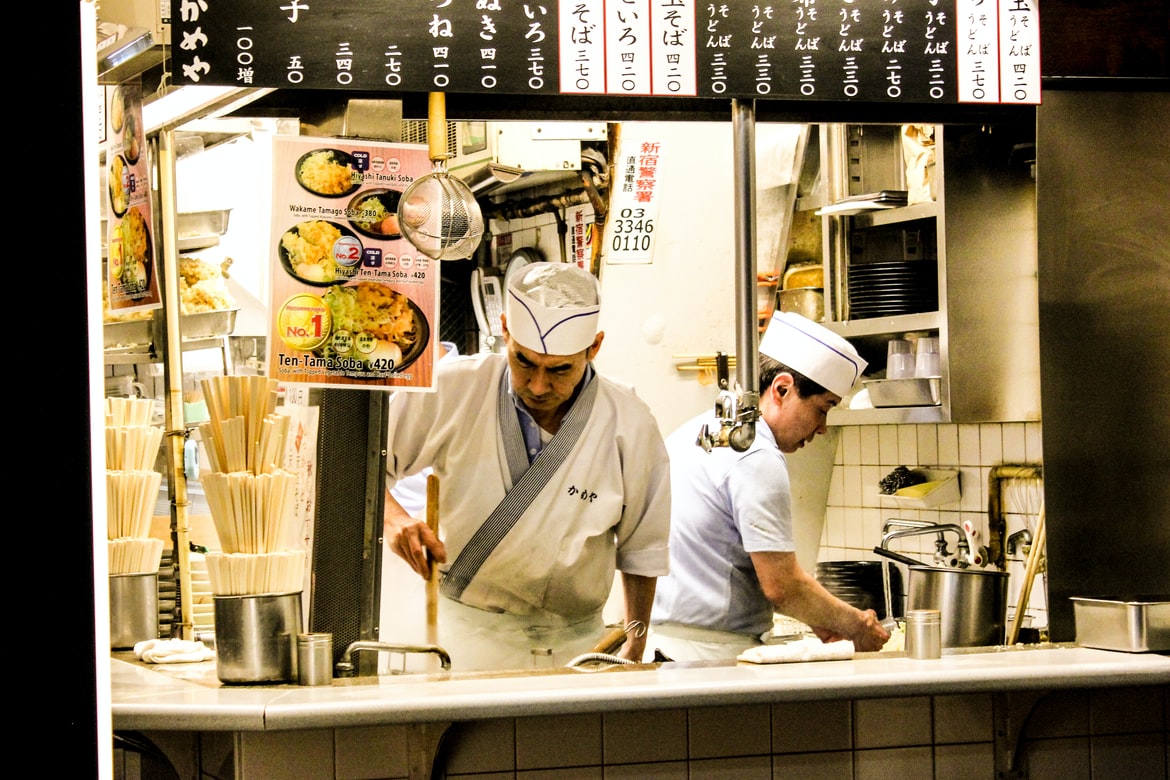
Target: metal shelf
874, 165
876, 326
145, 353
868, 219
889, 415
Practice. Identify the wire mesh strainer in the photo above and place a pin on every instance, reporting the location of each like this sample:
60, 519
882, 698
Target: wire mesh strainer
438, 213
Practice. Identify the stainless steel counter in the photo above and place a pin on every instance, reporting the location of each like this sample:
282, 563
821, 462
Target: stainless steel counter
188, 697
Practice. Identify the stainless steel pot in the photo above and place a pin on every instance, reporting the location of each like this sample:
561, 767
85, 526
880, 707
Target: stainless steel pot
806, 301
256, 637
133, 609
973, 603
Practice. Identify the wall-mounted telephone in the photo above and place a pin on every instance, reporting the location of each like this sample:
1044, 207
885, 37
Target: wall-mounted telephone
488, 301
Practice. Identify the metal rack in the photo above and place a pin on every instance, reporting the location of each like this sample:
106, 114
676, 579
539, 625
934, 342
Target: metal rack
981, 226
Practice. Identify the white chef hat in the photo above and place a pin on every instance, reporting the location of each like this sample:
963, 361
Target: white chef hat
813, 350
553, 308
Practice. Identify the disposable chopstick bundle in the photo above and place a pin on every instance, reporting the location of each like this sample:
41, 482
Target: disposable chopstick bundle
241, 574
270, 448
135, 556
252, 513
130, 500
132, 447
238, 407
129, 411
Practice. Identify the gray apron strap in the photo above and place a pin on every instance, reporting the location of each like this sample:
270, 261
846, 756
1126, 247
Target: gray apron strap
524, 490
514, 448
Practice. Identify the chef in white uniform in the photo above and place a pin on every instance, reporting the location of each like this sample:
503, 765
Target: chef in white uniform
732, 549
551, 477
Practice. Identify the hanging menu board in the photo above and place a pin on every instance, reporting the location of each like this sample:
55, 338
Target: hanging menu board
904, 51
352, 302
132, 283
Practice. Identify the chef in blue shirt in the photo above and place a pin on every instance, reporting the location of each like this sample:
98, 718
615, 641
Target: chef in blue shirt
733, 562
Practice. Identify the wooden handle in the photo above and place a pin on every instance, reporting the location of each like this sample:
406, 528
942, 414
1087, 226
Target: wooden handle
611, 641
1029, 575
433, 580
437, 125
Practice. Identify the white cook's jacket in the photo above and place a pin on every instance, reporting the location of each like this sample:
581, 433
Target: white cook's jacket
607, 506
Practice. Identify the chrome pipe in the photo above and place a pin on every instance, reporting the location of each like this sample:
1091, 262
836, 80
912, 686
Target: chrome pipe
347, 665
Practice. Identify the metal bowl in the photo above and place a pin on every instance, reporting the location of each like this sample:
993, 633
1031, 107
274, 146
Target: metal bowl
916, 391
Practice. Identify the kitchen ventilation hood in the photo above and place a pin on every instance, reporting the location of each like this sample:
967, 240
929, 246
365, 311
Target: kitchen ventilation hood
126, 52
133, 36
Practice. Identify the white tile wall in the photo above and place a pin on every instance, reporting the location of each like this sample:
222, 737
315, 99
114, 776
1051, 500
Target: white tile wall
856, 510
540, 742
1061, 735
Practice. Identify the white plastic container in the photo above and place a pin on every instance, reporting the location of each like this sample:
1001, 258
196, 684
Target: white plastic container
947, 491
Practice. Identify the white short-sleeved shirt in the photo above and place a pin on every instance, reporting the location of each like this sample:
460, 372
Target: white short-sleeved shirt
725, 505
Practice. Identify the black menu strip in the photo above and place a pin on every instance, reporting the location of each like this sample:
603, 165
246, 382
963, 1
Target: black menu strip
906, 51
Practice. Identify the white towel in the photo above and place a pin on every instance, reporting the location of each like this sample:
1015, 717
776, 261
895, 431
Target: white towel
172, 651
807, 649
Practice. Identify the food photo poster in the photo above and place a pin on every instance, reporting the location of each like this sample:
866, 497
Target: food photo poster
132, 284
353, 302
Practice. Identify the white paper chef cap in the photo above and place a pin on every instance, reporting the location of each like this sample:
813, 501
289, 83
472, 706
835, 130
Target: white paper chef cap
553, 308
813, 350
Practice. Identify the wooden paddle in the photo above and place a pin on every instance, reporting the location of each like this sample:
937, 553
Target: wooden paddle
433, 579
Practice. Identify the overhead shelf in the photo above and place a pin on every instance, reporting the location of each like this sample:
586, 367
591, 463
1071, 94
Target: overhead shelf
924, 210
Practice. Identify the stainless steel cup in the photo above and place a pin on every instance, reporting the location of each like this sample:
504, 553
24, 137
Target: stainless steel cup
256, 637
133, 609
924, 633
315, 659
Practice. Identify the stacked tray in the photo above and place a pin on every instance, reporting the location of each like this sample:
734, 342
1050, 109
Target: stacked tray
886, 289
860, 584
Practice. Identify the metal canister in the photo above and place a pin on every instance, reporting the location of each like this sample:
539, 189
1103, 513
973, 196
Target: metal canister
315, 659
924, 634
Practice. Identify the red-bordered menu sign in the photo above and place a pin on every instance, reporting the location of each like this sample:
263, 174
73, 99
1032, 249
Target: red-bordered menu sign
353, 303
132, 282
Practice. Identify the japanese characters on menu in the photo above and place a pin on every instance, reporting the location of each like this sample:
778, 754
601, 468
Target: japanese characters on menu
899, 51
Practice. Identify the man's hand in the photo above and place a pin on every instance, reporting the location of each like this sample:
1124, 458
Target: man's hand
411, 539
871, 636
634, 647
795, 594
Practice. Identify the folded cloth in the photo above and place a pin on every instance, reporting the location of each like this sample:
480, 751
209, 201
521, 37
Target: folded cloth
172, 651
807, 649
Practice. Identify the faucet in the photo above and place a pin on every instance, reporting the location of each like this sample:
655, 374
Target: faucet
347, 668
1020, 537
890, 532
942, 555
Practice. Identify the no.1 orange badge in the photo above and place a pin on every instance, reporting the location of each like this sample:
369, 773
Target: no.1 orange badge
304, 322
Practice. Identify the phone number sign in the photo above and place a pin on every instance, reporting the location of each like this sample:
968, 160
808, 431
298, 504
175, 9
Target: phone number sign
634, 207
